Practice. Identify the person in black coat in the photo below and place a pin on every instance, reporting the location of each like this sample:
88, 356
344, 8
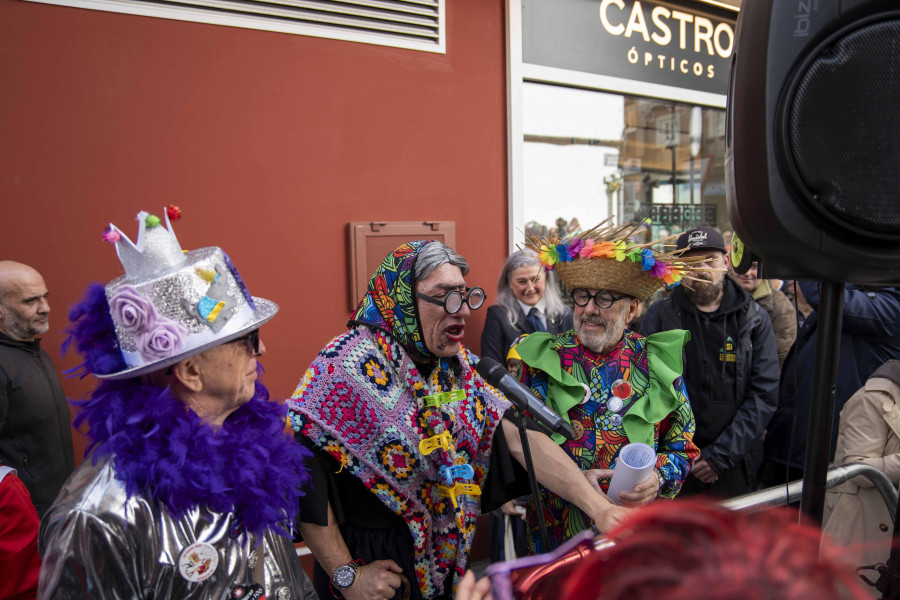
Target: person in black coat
35, 426
870, 336
527, 301
730, 368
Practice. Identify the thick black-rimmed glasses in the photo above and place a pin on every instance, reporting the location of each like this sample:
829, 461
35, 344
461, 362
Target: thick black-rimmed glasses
251, 340
454, 299
602, 298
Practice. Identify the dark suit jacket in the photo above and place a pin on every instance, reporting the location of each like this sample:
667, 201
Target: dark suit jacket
498, 334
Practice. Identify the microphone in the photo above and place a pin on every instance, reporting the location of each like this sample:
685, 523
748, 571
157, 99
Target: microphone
494, 373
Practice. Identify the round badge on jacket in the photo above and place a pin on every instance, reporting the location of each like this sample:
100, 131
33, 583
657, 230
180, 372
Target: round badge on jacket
198, 562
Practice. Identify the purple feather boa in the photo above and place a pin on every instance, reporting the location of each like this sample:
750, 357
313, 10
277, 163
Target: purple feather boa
249, 467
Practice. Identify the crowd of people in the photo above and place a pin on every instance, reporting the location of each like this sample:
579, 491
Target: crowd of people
193, 487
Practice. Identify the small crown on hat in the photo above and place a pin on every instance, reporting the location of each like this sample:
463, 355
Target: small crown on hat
157, 250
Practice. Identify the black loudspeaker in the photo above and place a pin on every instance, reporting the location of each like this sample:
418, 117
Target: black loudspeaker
812, 155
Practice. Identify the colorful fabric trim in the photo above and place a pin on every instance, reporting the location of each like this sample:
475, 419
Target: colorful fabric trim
664, 354
363, 401
601, 435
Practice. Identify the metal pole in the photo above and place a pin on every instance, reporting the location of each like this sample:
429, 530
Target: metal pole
532, 480
777, 496
821, 406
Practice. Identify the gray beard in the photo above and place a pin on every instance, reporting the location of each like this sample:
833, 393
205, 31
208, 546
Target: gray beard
22, 330
606, 341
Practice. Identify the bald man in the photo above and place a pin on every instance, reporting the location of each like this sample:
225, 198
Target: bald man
35, 426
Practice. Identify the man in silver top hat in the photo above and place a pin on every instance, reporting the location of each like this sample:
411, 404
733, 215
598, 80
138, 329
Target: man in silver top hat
191, 484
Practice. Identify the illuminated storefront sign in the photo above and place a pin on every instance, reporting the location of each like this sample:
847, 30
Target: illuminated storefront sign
683, 44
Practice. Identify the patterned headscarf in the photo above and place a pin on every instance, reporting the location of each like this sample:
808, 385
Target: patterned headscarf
389, 304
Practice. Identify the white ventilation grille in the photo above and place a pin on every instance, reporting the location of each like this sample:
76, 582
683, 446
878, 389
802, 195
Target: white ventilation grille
413, 24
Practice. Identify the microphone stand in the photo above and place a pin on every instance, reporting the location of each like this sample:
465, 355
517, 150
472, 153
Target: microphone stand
532, 480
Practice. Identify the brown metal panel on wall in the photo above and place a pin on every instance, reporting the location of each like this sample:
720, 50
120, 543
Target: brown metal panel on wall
371, 241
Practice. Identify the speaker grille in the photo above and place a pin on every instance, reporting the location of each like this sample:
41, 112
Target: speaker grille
844, 130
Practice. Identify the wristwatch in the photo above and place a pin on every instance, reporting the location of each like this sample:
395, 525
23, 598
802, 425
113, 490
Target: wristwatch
345, 575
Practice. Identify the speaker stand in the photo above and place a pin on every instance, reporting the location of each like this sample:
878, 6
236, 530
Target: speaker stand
821, 405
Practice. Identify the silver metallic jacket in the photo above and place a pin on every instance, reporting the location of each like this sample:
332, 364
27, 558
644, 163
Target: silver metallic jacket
97, 543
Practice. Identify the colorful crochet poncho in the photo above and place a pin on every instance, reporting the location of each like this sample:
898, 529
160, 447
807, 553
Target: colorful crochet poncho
416, 433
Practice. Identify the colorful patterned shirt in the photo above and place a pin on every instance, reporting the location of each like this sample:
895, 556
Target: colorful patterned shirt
600, 428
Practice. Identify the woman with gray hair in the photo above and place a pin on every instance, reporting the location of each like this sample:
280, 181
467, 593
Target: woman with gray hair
526, 302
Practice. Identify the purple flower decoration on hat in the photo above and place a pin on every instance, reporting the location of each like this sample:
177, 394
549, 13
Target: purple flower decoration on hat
163, 338
575, 247
131, 310
156, 337
658, 270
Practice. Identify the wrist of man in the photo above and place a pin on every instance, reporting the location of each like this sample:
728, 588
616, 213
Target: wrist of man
344, 576
603, 506
662, 479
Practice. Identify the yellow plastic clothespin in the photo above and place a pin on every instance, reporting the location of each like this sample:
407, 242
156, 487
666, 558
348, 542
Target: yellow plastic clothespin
458, 489
429, 445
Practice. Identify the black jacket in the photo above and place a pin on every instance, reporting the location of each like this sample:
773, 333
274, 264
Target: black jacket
870, 336
498, 335
35, 425
730, 371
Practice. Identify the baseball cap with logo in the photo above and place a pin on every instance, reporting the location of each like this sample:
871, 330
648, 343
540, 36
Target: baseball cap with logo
700, 238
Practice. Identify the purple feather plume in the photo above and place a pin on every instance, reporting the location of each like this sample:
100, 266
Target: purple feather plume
92, 330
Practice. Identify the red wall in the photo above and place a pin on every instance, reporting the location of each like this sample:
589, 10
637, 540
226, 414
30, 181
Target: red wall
269, 142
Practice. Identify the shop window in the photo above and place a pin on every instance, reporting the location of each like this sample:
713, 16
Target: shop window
590, 154
412, 24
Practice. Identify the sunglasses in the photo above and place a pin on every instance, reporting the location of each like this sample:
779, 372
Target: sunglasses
453, 301
251, 340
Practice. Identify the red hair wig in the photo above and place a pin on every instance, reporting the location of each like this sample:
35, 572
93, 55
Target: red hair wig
692, 549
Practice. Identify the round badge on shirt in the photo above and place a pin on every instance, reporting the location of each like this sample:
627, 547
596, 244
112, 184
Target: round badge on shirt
198, 562
587, 393
578, 428
621, 389
615, 404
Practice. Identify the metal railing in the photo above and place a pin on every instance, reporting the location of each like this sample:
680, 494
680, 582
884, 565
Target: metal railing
779, 496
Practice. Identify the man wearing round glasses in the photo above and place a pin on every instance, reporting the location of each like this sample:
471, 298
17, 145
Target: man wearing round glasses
599, 320
613, 386
404, 433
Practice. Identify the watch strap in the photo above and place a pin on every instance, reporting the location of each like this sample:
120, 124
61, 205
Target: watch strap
335, 590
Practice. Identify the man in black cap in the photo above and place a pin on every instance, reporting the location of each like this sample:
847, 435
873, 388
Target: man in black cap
730, 368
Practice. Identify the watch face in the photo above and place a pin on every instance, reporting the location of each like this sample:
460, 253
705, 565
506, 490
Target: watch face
344, 576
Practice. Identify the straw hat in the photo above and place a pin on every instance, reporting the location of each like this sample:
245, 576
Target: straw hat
171, 304
605, 258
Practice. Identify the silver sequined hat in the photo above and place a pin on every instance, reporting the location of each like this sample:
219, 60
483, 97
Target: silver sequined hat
171, 304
